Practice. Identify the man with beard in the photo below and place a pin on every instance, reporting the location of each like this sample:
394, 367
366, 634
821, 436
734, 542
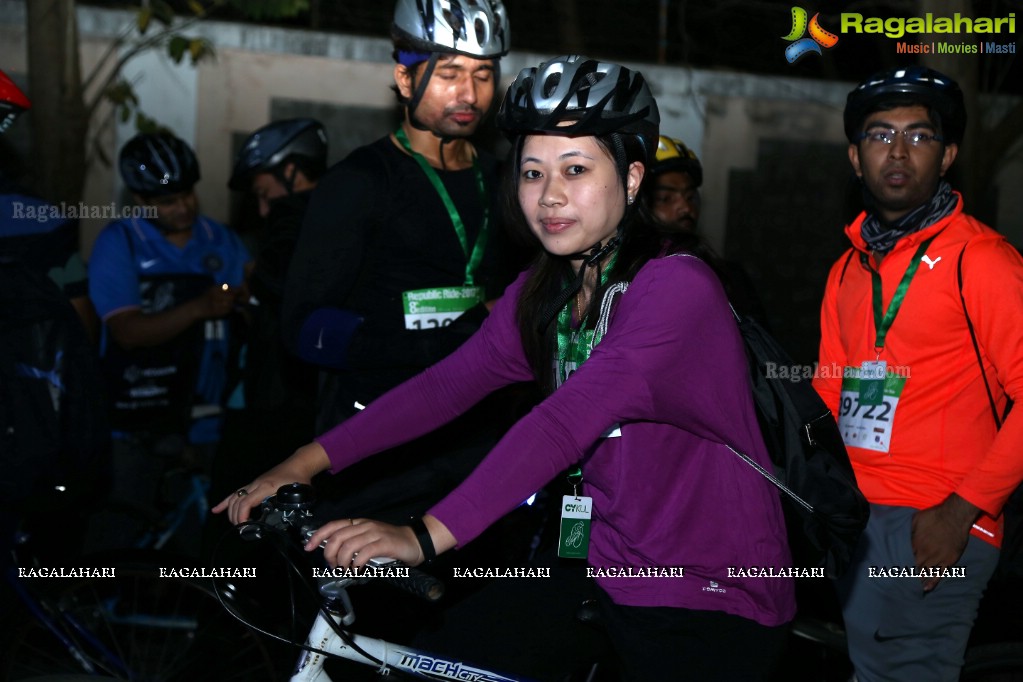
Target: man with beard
397, 255
672, 193
923, 315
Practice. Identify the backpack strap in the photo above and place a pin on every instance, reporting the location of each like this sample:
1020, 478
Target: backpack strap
793, 495
1012, 538
607, 305
973, 338
845, 266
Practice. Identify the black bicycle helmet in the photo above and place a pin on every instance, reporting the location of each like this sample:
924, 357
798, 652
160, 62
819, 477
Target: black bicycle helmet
12, 102
275, 142
913, 84
155, 164
475, 28
674, 155
597, 98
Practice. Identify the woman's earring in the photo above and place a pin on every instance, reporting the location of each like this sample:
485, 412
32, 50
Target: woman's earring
631, 199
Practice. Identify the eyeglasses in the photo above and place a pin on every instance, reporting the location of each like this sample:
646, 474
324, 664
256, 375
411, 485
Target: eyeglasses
914, 137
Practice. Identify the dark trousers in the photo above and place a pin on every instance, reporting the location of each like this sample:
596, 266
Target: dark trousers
662, 643
525, 626
529, 627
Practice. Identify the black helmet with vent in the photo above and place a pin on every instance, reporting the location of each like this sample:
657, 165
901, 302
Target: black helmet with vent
912, 84
575, 95
154, 164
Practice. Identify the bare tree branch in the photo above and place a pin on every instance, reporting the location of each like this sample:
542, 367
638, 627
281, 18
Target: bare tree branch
139, 47
107, 54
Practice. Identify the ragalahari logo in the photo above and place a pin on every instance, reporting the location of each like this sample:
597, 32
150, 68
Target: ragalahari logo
801, 46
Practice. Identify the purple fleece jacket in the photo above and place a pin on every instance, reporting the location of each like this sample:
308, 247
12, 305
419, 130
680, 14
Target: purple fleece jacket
671, 371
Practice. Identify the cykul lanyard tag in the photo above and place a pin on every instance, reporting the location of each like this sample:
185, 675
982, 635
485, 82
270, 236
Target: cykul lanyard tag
576, 510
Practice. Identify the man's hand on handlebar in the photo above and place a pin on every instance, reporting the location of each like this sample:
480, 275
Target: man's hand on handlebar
307, 461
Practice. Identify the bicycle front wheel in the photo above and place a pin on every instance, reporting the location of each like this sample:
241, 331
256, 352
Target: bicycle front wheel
143, 627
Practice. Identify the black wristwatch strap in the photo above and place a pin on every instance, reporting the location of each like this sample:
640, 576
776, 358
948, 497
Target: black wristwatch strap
423, 536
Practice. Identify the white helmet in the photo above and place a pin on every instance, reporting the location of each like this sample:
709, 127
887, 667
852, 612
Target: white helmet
475, 28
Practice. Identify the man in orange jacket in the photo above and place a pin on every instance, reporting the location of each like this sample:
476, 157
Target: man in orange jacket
920, 351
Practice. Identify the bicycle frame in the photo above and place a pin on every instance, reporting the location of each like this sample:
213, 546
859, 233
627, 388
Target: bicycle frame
288, 512
405, 659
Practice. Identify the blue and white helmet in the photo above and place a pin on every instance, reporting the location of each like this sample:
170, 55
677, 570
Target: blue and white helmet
274, 143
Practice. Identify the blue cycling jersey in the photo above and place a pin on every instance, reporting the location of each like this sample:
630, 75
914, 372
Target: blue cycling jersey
134, 266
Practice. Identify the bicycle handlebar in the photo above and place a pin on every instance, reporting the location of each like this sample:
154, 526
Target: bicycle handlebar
416, 582
289, 511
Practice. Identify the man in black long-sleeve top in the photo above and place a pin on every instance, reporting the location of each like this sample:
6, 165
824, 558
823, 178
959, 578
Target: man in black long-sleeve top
397, 256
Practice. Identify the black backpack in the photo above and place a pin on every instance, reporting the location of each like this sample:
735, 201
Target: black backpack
824, 509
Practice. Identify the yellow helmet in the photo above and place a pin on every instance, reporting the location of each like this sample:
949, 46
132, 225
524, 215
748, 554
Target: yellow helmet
674, 155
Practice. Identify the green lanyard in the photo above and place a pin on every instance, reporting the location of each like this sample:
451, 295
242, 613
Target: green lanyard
473, 259
574, 346
883, 319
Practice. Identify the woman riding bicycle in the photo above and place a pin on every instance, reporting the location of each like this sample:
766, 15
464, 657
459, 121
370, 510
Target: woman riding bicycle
646, 415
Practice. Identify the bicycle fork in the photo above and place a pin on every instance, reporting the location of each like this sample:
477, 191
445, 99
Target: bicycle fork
324, 638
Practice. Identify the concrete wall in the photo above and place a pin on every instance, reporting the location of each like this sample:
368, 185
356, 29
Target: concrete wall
260, 72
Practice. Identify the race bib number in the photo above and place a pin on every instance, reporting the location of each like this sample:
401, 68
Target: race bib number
438, 307
868, 422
